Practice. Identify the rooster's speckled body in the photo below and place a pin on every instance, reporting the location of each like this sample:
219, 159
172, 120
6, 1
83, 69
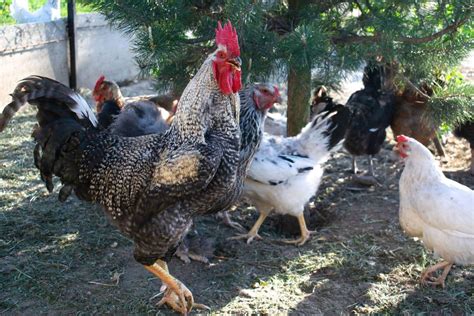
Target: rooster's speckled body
152, 186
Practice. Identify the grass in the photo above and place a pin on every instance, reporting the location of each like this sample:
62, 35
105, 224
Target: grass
64, 258
6, 19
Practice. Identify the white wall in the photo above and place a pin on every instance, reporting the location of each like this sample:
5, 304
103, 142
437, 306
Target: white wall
102, 50
42, 49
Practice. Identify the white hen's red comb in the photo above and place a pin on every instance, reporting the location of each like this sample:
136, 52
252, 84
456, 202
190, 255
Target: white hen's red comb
402, 139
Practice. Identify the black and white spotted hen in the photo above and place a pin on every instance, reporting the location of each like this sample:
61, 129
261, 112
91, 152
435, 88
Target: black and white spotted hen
286, 171
151, 186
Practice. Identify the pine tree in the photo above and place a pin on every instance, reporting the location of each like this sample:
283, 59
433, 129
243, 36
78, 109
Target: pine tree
307, 41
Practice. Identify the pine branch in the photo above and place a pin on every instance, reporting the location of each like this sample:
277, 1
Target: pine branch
359, 39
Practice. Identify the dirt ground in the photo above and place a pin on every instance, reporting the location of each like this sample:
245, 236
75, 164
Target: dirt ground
65, 258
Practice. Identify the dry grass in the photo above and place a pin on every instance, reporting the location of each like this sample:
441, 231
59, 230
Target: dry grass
66, 259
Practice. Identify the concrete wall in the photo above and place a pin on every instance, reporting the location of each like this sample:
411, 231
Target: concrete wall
42, 49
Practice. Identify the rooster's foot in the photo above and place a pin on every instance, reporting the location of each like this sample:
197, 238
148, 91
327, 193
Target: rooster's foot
177, 295
426, 277
180, 300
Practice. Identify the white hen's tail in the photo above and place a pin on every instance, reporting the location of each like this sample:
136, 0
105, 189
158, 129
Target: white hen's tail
319, 137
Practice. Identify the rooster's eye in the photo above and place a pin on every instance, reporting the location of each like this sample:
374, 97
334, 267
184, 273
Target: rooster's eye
221, 54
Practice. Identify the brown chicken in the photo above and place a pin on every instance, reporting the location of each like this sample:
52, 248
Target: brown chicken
151, 186
411, 115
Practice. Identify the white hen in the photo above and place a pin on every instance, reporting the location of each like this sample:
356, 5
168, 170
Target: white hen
286, 172
50, 11
436, 209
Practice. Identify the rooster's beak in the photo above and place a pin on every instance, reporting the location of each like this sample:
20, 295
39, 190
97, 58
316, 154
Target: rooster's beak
235, 63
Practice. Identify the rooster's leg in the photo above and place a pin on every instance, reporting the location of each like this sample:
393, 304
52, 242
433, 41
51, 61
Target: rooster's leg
426, 277
177, 295
305, 233
253, 233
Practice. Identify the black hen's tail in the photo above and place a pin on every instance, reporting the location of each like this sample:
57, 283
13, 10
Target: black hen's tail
63, 118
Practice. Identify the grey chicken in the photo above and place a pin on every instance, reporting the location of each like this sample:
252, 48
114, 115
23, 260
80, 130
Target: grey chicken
255, 100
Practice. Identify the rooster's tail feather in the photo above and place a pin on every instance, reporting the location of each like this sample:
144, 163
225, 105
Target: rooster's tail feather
63, 120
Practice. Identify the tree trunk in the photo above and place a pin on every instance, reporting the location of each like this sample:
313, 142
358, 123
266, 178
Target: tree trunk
299, 92
299, 81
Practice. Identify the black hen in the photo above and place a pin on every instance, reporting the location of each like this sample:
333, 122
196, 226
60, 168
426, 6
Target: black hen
466, 131
109, 112
137, 119
372, 111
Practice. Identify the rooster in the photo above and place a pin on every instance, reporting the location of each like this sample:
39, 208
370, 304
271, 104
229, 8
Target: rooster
436, 209
151, 186
286, 172
371, 113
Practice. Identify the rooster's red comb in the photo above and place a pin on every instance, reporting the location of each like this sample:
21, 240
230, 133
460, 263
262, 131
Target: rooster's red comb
99, 82
402, 139
227, 36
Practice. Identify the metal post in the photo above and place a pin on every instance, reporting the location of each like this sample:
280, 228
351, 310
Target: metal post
71, 31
